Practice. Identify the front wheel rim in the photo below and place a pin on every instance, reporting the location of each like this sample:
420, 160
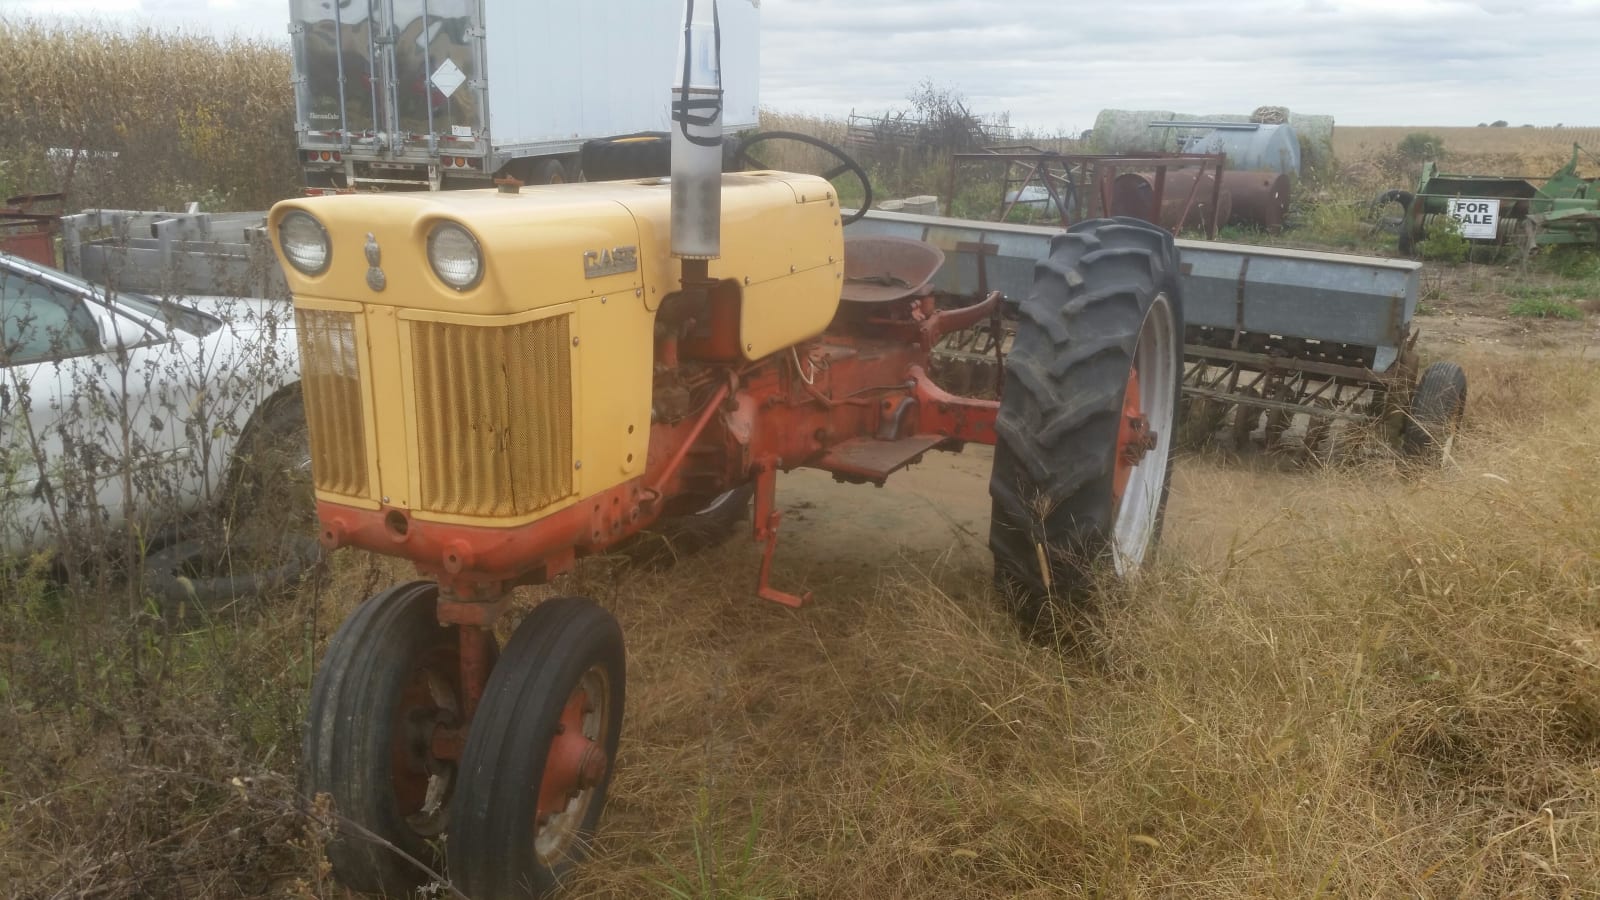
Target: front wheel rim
422, 782
575, 767
1144, 439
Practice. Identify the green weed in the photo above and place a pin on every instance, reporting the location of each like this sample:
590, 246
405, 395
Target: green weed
1545, 307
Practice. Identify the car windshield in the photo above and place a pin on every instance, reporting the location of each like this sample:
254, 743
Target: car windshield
174, 314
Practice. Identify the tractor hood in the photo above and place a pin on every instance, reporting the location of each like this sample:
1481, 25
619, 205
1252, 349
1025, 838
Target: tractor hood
541, 246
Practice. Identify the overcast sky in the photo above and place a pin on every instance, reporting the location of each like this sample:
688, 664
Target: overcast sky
1055, 63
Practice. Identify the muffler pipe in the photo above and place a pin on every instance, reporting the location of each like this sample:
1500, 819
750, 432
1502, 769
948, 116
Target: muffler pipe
697, 140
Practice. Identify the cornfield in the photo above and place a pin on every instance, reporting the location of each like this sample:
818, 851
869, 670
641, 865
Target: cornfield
144, 119
1481, 151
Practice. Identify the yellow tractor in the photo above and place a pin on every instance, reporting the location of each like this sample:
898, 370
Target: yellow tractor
501, 382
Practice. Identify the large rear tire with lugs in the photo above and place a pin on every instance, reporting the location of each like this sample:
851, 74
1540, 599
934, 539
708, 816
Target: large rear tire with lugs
1084, 434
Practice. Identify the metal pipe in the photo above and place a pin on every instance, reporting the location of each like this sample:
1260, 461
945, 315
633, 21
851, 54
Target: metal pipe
697, 138
427, 82
673, 464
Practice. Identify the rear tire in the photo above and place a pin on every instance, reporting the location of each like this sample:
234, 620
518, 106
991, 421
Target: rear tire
1437, 407
1105, 307
390, 673
560, 680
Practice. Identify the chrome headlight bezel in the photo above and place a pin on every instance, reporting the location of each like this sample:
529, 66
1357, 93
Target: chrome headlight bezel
467, 248
309, 264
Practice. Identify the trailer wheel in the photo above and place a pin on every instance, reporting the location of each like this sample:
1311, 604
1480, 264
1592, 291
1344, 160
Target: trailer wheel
1436, 410
390, 675
539, 756
549, 171
647, 154
1090, 407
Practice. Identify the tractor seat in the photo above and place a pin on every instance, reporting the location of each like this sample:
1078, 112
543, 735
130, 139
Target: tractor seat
879, 269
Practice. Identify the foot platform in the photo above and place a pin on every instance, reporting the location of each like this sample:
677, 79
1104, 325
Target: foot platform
869, 459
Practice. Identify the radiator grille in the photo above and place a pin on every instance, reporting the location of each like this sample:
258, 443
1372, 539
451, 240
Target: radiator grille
494, 415
330, 380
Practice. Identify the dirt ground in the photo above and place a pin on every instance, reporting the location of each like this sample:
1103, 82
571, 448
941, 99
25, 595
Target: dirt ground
1467, 306
937, 512
939, 508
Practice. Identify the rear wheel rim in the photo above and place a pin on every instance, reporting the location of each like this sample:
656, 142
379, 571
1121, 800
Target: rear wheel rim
575, 768
1144, 440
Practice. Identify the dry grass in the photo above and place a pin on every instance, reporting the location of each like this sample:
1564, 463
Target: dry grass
1354, 683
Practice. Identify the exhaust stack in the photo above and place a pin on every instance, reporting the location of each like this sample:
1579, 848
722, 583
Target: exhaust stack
697, 138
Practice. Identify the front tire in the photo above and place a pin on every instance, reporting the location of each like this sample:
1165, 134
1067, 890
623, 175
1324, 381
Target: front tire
390, 674
1084, 434
539, 756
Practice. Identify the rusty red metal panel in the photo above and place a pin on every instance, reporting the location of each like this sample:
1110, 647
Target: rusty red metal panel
28, 230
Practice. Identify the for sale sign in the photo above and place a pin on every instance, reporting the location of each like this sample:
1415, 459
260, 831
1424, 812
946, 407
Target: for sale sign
1479, 218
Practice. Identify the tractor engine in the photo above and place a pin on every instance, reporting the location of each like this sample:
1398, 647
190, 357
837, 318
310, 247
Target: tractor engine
484, 372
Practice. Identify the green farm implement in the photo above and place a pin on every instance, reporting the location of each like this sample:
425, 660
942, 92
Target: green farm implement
1527, 213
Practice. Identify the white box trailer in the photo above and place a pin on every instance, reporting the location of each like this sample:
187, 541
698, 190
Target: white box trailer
431, 94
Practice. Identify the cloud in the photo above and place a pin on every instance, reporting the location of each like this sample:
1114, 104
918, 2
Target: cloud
1053, 64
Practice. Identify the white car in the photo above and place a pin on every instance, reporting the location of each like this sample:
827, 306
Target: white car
120, 408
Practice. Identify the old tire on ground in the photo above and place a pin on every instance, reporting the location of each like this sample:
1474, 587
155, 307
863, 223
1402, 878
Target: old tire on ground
706, 523
1437, 406
1098, 338
199, 577
390, 674
267, 538
270, 490
540, 752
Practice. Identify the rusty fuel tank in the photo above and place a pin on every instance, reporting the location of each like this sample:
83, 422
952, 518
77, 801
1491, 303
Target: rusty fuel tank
1133, 194
1259, 199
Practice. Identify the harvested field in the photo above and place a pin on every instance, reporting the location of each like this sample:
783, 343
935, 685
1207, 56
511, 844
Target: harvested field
1484, 151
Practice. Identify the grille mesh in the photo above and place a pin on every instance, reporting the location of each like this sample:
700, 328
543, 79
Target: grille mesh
494, 415
330, 381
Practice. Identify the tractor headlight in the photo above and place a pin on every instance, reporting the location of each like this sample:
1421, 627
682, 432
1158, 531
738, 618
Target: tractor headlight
455, 256
305, 242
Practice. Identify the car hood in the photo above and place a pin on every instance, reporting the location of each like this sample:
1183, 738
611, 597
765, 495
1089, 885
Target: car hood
244, 316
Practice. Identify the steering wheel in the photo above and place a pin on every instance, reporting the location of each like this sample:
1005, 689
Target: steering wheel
846, 164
